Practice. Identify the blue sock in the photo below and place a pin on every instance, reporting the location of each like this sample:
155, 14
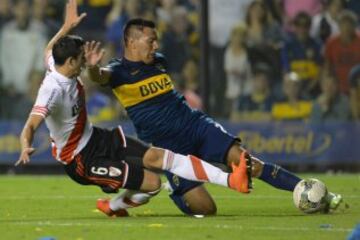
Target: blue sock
278, 177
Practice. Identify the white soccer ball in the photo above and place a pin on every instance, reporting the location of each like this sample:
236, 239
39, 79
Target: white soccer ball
310, 195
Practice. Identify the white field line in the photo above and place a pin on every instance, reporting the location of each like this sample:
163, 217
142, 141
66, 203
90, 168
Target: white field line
55, 197
165, 226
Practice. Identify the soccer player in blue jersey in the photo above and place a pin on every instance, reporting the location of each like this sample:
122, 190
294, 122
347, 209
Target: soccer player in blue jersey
161, 116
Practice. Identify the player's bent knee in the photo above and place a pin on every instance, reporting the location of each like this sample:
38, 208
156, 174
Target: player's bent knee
204, 208
200, 202
208, 210
153, 158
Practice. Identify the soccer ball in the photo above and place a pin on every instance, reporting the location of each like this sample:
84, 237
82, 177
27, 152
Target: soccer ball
310, 195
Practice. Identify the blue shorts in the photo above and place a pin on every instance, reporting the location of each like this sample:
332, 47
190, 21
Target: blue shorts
207, 140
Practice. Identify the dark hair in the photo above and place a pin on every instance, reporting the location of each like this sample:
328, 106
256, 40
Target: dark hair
66, 47
16, 2
137, 23
264, 19
302, 19
262, 68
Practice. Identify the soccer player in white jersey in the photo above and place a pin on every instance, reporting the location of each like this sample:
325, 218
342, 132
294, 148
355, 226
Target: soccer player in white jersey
94, 156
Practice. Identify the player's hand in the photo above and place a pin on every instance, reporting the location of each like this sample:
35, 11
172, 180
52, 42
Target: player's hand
93, 53
72, 19
25, 156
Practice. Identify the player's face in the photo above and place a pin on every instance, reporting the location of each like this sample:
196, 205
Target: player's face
78, 63
147, 45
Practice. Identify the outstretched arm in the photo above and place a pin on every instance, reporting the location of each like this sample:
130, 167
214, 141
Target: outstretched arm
72, 19
26, 138
93, 56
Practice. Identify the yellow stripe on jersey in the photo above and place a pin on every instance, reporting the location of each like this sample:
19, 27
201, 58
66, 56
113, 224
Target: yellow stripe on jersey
135, 93
96, 3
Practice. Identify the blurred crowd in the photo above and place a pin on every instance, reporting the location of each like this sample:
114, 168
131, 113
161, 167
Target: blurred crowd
277, 60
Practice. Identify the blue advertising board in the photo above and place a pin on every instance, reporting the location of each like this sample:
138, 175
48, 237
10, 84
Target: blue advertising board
290, 143
297, 143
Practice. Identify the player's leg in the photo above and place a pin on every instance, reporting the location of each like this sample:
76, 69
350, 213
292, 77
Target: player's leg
188, 167
268, 172
193, 198
195, 201
101, 163
190, 197
202, 204
195, 169
111, 175
116, 206
276, 176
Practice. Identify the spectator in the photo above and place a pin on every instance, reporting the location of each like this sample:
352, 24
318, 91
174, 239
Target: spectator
262, 30
164, 13
354, 79
50, 13
39, 8
237, 67
256, 106
354, 5
223, 15
5, 16
124, 10
5, 12
301, 54
294, 106
93, 26
189, 85
193, 8
330, 106
175, 42
292, 8
325, 24
38, 13
275, 8
22, 43
342, 52
264, 37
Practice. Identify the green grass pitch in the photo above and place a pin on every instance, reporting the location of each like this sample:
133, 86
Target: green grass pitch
34, 207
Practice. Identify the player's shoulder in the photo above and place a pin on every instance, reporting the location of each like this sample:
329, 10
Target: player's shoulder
160, 58
115, 63
116, 67
49, 84
160, 61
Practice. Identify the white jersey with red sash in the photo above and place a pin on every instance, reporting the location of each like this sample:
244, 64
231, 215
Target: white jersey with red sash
61, 101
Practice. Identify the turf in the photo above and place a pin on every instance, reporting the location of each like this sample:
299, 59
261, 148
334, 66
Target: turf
36, 207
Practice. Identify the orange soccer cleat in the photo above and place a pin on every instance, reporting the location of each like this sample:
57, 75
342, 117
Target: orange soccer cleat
240, 178
104, 206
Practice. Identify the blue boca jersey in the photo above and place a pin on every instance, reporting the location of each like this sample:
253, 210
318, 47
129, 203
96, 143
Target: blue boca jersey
157, 110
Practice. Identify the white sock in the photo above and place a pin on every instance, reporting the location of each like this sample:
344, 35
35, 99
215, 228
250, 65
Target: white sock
193, 168
130, 199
